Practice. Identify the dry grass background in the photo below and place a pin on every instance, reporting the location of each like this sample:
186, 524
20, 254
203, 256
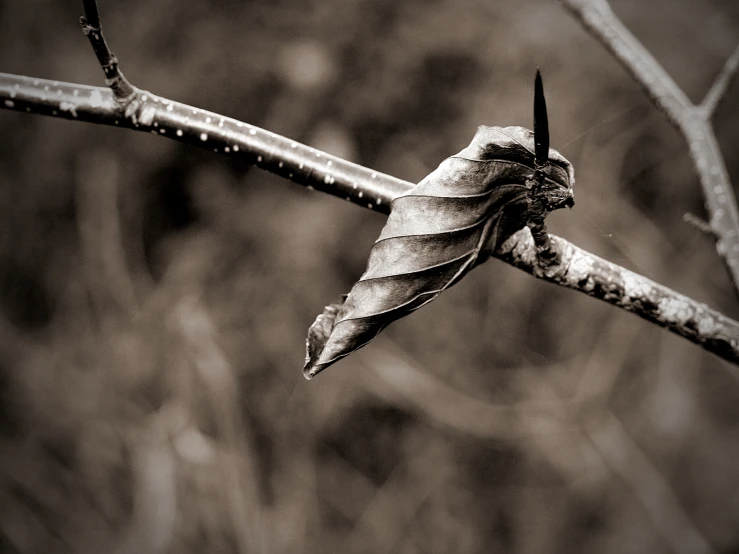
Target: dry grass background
154, 298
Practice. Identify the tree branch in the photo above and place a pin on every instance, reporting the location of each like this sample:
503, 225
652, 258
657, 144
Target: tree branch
694, 122
582, 271
578, 269
294, 161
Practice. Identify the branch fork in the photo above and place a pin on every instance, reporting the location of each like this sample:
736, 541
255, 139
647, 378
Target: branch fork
693, 121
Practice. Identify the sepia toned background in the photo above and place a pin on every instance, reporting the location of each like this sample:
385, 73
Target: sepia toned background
154, 298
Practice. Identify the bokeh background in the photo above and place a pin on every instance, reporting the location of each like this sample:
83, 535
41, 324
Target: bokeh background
154, 298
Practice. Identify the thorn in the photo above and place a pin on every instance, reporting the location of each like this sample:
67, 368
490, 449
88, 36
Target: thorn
541, 123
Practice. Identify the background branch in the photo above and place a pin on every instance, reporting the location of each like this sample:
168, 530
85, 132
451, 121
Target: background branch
693, 121
547, 422
578, 269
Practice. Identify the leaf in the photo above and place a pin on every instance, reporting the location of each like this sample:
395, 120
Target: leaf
437, 232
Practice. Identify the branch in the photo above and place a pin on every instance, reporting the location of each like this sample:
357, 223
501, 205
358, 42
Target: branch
582, 271
578, 269
694, 122
718, 89
294, 161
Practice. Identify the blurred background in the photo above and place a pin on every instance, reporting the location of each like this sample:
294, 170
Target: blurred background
155, 298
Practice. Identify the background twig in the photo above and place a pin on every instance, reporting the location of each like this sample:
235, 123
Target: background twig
718, 89
585, 422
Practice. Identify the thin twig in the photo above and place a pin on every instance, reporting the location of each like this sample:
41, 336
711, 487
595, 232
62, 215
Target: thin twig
114, 78
718, 89
698, 223
578, 269
691, 120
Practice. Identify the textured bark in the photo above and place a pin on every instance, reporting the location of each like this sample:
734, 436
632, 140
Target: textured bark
596, 277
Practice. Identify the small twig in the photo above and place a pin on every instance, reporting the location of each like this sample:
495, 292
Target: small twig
578, 269
114, 78
701, 224
718, 89
691, 120
91, 12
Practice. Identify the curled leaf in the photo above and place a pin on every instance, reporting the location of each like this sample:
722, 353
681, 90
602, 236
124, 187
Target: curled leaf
437, 232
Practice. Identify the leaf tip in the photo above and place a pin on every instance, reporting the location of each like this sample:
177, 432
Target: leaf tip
318, 335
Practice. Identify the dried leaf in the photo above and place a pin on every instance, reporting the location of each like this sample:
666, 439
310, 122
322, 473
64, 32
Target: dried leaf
437, 232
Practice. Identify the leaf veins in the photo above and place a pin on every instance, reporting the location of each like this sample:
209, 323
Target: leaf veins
436, 233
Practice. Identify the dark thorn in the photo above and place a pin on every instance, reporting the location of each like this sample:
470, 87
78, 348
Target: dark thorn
541, 123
